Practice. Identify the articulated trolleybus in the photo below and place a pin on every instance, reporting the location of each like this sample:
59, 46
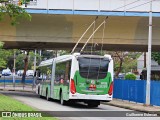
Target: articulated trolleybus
76, 77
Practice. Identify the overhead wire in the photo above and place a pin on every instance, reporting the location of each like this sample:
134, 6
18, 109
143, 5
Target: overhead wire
103, 37
94, 28
126, 5
84, 34
93, 34
101, 48
113, 14
141, 4
128, 9
91, 51
114, 10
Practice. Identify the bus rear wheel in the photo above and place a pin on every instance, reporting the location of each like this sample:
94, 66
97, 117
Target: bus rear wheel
93, 104
38, 90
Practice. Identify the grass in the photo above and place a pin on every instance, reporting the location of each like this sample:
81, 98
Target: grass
10, 104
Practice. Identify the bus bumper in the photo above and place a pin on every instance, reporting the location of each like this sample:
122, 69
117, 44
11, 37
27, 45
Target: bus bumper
90, 97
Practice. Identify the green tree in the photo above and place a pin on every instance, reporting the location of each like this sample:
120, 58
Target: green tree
47, 54
129, 63
15, 12
2, 62
124, 61
130, 77
20, 60
156, 57
1, 44
8, 8
5, 57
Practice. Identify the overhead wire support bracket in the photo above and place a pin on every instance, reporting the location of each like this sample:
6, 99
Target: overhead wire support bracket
83, 34
94, 33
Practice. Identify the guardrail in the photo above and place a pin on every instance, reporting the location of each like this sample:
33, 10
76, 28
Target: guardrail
135, 91
6, 82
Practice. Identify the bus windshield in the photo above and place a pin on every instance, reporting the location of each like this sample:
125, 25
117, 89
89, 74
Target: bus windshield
93, 68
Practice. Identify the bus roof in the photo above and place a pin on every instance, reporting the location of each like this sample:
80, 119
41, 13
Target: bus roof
59, 58
46, 62
68, 57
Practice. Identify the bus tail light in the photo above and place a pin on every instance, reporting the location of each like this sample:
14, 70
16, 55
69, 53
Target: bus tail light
110, 89
72, 87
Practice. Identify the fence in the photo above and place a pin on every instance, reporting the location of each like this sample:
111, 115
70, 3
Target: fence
135, 90
6, 82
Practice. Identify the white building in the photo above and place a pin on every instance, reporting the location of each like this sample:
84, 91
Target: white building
140, 63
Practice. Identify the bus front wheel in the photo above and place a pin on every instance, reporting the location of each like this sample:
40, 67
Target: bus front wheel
39, 92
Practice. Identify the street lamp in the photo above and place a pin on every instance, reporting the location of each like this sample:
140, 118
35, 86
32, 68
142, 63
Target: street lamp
149, 57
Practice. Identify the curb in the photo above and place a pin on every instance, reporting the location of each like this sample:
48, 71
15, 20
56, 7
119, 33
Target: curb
130, 108
17, 90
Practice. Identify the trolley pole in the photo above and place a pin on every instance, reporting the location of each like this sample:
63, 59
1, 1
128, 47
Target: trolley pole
149, 57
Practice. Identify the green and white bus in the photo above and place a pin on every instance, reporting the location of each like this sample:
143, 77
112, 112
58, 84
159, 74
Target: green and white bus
76, 77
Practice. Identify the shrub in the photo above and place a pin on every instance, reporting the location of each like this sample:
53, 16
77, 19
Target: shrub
130, 77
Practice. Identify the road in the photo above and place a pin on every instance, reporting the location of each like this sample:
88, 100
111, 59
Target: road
41, 104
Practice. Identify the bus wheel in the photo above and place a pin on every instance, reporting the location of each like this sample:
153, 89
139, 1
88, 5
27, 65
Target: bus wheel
92, 105
47, 97
63, 102
39, 92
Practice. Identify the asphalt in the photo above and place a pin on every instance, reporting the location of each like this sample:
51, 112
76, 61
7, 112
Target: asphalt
115, 102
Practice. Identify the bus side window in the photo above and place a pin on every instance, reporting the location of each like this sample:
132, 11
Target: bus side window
60, 71
38, 75
43, 77
49, 72
67, 71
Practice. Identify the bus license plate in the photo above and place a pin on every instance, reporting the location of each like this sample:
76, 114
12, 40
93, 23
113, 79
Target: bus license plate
92, 89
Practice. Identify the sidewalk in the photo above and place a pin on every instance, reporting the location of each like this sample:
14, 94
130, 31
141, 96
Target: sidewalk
134, 106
